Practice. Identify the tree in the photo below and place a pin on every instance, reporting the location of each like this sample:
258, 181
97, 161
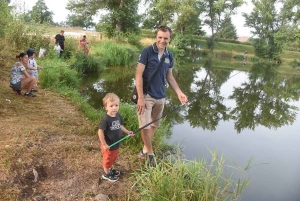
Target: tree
271, 20
4, 16
215, 11
122, 15
40, 13
227, 29
159, 12
80, 21
188, 16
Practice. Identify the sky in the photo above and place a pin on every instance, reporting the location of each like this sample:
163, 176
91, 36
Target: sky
60, 13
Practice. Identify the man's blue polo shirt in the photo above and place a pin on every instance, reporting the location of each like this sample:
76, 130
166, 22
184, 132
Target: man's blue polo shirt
149, 58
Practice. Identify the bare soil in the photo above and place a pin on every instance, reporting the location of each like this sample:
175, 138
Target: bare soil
48, 135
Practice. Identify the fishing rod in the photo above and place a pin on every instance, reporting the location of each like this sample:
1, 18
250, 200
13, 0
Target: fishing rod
176, 108
72, 65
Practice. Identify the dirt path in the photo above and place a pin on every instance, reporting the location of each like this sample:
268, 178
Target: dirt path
49, 136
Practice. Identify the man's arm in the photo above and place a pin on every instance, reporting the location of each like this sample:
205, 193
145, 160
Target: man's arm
139, 87
173, 84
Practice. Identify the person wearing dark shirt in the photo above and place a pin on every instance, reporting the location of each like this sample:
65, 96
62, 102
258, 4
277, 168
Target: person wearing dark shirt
151, 102
60, 39
109, 132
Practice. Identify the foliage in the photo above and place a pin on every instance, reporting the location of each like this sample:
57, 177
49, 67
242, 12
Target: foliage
4, 16
177, 179
87, 63
134, 39
272, 21
110, 53
227, 29
188, 20
159, 13
215, 11
39, 13
181, 41
122, 16
80, 20
58, 77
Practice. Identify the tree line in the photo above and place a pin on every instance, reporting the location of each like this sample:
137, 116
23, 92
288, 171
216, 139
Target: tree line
274, 23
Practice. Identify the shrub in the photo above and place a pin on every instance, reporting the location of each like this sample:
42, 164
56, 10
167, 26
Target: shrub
59, 77
177, 179
181, 41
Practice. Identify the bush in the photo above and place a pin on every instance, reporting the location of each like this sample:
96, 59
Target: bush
59, 77
113, 54
181, 41
177, 179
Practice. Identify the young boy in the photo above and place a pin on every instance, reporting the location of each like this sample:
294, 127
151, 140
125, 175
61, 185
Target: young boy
57, 48
32, 66
110, 130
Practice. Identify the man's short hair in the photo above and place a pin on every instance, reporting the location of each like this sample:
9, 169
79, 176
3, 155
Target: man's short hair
164, 28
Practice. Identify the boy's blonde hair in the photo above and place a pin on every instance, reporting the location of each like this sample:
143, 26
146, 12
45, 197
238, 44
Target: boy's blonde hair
110, 97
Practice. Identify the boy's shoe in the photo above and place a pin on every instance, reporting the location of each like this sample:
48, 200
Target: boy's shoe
34, 90
115, 172
142, 155
110, 177
27, 95
17, 91
152, 161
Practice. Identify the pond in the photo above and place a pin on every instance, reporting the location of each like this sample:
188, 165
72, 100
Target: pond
245, 116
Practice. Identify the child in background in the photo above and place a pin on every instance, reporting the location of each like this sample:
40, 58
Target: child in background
57, 48
32, 66
109, 132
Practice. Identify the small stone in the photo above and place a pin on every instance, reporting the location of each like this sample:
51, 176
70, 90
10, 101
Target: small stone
102, 197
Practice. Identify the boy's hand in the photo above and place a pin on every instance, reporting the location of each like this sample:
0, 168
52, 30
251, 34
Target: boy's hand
130, 133
106, 147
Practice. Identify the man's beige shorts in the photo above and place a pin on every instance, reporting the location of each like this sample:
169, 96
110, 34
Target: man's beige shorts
153, 111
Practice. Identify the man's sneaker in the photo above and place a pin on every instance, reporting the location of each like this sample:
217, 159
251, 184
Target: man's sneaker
115, 172
17, 91
34, 90
110, 177
152, 162
142, 155
27, 95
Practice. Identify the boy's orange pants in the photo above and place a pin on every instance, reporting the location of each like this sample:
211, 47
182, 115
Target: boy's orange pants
109, 157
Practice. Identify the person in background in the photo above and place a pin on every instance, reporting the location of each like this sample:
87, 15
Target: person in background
42, 52
32, 66
245, 58
60, 38
57, 48
109, 132
19, 78
83, 44
151, 102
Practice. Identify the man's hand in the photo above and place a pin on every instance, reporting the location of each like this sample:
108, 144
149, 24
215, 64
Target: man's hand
141, 105
182, 97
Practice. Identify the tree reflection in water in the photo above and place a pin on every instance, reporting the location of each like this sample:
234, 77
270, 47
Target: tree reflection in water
265, 98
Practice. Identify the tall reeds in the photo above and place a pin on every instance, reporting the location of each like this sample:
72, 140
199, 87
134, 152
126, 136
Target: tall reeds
176, 179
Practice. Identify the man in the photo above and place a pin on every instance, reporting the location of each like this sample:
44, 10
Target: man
150, 104
60, 39
83, 44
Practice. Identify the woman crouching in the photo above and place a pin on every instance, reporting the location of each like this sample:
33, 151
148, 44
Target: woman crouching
19, 77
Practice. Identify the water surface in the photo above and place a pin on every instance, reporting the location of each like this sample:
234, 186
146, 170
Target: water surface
242, 115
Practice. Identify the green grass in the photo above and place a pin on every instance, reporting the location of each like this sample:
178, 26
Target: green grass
177, 179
